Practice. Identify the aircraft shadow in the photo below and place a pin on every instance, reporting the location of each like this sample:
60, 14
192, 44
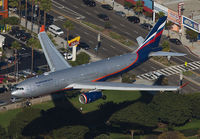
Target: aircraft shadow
65, 114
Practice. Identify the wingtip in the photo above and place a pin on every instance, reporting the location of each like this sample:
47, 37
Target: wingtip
42, 29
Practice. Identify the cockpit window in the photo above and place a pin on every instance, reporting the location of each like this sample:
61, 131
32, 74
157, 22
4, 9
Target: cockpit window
17, 88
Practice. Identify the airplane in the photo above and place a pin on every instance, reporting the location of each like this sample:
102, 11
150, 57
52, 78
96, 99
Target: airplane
93, 76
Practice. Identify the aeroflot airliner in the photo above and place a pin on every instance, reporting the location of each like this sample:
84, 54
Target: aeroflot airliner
91, 76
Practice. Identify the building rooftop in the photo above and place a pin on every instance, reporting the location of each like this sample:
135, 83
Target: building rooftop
191, 7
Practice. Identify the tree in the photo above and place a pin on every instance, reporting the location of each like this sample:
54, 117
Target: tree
137, 113
171, 135
16, 46
138, 7
16, 3
128, 5
68, 25
159, 15
45, 5
128, 78
70, 132
166, 46
3, 133
39, 16
191, 35
32, 13
168, 26
194, 100
31, 42
26, 10
171, 108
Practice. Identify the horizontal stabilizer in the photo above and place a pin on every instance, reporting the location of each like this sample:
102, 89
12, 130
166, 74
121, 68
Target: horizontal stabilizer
161, 53
140, 40
121, 86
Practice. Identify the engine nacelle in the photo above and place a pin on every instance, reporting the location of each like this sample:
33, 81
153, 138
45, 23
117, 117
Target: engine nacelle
90, 96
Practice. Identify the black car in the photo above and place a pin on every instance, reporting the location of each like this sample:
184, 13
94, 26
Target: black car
25, 37
176, 41
107, 6
84, 45
90, 3
103, 16
19, 33
146, 26
133, 19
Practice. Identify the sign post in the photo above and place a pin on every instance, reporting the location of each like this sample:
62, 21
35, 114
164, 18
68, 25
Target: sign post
73, 43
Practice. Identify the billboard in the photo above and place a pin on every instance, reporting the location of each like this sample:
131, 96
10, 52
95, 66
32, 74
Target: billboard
1, 5
189, 23
173, 17
159, 8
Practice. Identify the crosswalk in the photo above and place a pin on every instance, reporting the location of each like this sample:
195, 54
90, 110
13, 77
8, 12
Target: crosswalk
153, 75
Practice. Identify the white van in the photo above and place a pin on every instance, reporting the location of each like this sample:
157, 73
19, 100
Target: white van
55, 30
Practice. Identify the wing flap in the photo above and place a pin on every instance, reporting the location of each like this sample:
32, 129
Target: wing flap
54, 59
161, 53
122, 86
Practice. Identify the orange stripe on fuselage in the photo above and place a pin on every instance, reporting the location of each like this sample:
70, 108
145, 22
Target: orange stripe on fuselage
116, 71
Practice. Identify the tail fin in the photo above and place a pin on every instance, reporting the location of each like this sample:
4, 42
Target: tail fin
151, 42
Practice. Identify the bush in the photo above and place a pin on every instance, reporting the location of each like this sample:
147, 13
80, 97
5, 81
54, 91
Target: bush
189, 132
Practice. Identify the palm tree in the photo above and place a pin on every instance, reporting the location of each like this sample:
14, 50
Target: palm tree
138, 7
68, 25
45, 6
38, 19
31, 42
16, 46
26, 14
168, 26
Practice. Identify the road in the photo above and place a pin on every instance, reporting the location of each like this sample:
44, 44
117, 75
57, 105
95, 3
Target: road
107, 49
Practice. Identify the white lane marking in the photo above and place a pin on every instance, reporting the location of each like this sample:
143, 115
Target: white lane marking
122, 25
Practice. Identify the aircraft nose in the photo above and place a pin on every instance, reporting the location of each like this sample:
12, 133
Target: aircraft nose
15, 93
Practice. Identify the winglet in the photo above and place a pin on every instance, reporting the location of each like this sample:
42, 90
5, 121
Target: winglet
42, 29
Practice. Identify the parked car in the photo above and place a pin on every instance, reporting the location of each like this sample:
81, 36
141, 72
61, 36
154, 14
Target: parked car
176, 41
11, 59
55, 30
19, 34
120, 13
84, 45
15, 99
68, 56
90, 3
146, 26
103, 16
25, 37
107, 6
133, 19
2, 103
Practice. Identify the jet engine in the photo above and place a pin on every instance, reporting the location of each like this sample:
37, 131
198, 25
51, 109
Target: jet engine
91, 96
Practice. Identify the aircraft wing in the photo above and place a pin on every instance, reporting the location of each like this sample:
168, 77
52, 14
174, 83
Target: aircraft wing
55, 60
161, 53
140, 40
121, 86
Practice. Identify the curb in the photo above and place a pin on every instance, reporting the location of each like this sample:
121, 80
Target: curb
191, 51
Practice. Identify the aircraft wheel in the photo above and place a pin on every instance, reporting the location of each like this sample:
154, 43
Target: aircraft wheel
104, 97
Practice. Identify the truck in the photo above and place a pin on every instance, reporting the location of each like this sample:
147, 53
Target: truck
2, 42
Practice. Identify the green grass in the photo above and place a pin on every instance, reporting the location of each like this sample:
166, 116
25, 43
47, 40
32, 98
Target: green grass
187, 73
115, 96
94, 26
193, 137
7, 116
119, 136
194, 124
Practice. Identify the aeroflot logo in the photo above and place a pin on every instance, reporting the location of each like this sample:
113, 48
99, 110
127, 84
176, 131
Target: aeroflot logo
74, 42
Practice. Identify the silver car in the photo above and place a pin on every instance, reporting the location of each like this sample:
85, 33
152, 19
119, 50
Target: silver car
120, 13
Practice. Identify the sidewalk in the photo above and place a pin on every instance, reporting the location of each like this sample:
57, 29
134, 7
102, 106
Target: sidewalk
195, 49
